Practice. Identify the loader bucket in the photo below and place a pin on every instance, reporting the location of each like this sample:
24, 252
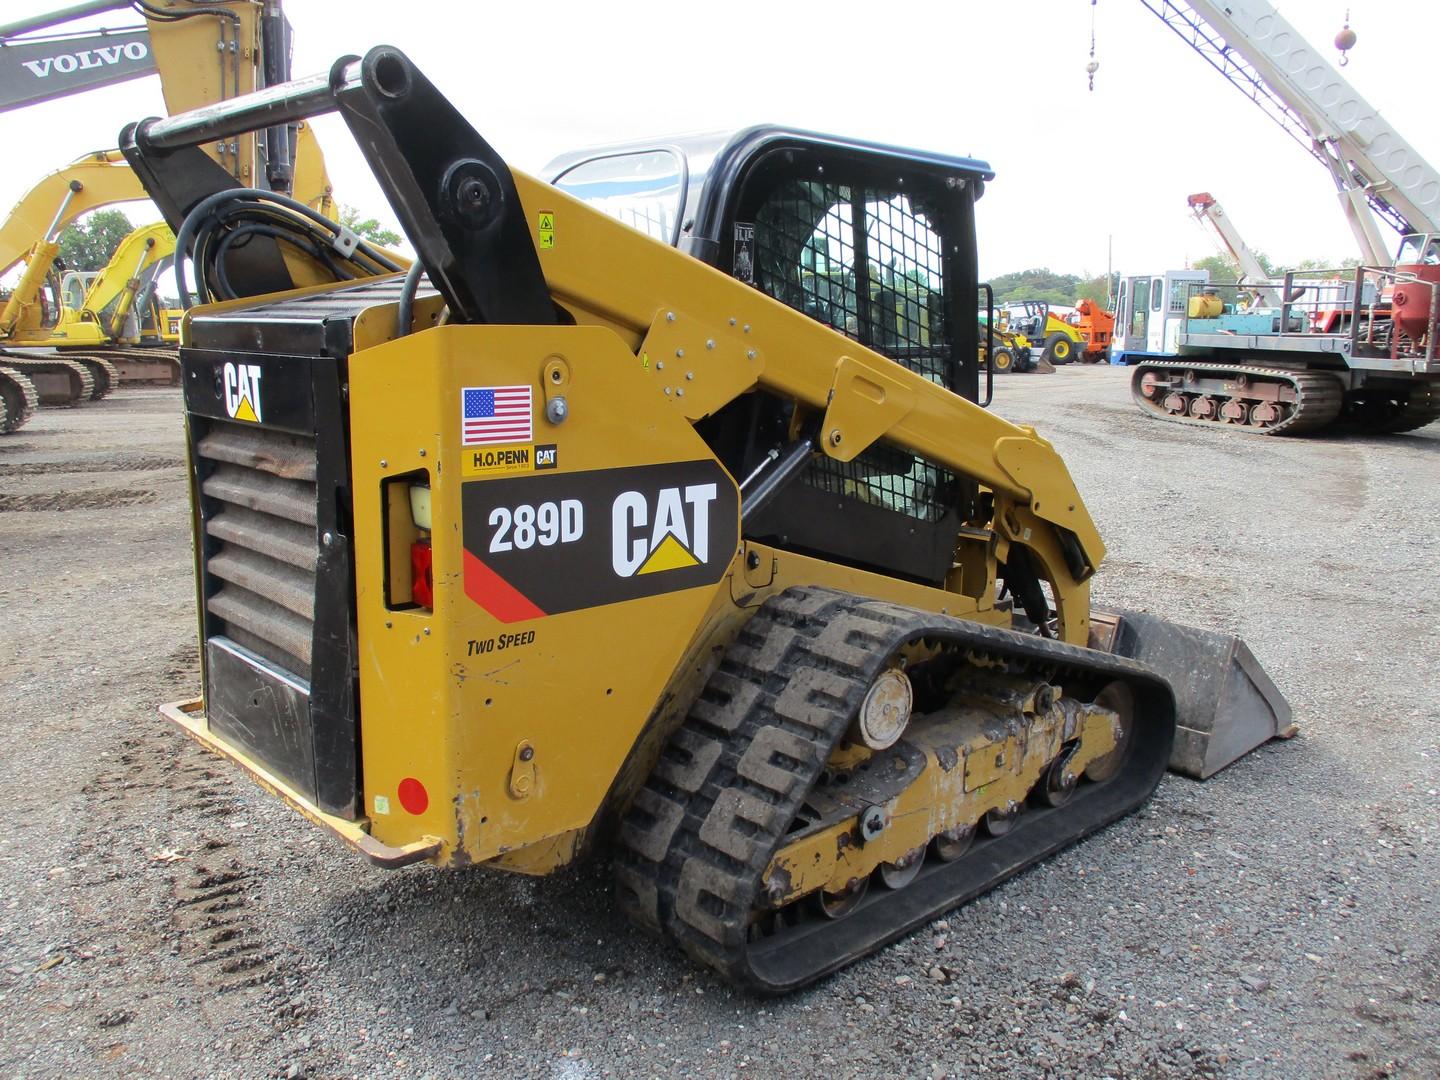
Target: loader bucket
1226, 705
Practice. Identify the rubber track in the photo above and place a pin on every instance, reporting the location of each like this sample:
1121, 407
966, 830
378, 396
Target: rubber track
695, 844
12, 419
1319, 401
1422, 408
81, 381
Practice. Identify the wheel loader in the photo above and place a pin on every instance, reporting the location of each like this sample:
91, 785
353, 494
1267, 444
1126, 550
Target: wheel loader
574, 539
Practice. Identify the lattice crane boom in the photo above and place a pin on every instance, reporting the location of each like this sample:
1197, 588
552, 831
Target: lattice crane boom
1377, 173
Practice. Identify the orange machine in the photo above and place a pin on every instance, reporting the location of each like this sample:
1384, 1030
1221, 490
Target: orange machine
1095, 325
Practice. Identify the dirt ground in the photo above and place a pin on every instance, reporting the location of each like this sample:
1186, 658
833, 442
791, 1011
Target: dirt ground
159, 916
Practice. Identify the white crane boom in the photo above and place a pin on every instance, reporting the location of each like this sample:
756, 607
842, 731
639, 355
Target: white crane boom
1376, 171
1207, 210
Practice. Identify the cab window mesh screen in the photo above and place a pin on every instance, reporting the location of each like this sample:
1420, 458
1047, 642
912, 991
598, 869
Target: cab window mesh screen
868, 263
864, 261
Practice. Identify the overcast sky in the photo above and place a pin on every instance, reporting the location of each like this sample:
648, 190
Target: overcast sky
1003, 81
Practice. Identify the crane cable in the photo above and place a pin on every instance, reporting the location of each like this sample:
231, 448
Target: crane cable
1094, 65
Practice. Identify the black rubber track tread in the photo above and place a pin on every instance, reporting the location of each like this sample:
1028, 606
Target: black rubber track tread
21, 400
1422, 407
82, 383
1320, 397
693, 847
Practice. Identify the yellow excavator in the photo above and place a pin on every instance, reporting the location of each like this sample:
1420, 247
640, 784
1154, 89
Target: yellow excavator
120, 303
106, 314
566, 539
203, 54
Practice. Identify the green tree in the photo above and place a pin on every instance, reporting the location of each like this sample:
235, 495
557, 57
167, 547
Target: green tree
1038, 284
1349, 262
367, 229
1221, 267
89, 242
1224, 268
1096, 288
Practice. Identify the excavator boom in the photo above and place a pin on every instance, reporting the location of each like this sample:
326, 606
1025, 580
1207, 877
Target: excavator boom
203, 54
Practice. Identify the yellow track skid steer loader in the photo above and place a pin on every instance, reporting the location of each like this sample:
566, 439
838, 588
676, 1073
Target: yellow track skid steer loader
569, 538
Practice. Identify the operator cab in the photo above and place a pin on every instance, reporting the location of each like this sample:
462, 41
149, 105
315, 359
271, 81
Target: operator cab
1419, 249
1028, 317
876, 242
1150, 310
774, 207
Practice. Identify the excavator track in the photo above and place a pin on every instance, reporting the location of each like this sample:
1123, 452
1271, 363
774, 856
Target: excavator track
730, 787
57, 380
1223, 395
18, 400
154, 365
102, 373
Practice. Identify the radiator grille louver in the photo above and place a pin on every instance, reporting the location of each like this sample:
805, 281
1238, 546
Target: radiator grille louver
260, 510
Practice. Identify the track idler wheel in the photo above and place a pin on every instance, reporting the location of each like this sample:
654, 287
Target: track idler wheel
1058, 784
836, 905
1000, 821
953, 843
903, 870
1121, 700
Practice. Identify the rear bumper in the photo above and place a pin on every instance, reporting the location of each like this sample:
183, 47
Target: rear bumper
189, 716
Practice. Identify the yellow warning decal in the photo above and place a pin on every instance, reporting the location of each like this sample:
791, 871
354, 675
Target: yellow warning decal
669, 554
243, 411
492, 461
546, 229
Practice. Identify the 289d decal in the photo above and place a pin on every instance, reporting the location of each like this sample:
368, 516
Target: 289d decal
540, 545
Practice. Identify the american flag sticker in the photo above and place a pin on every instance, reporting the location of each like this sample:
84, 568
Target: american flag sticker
490, 415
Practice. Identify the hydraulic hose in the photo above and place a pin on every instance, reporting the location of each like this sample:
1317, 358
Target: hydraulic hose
232, 218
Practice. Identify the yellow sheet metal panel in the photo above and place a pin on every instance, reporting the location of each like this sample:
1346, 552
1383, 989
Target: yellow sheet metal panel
566, 592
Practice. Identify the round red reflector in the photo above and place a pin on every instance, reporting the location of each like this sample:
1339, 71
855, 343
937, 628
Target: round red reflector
413, 796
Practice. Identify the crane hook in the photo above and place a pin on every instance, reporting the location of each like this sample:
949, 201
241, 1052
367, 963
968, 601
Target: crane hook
1345, 40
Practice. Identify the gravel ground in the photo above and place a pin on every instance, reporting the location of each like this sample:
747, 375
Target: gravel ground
160, 917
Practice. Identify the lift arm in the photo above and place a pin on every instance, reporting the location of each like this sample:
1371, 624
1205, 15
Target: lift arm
1376, 172
204, 55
